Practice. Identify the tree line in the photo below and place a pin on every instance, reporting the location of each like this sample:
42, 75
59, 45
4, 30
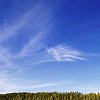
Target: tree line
50, 96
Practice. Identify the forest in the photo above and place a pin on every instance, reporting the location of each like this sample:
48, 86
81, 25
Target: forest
50, 96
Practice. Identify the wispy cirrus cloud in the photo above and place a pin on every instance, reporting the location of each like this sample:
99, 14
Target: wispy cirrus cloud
9, 83
38, 22
40, 26
8, 30
65, 53
38, 19
38, 15
89, 88
33, 45
61, 53
6, 58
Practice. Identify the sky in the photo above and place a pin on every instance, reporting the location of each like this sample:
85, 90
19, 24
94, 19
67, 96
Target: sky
49, 45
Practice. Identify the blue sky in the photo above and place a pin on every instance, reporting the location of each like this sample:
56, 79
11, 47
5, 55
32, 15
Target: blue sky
49, 45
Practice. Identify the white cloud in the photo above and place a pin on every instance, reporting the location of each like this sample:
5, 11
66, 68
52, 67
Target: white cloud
33, 45
6, 82
5, 58
56, 53
10, 84
88, 88
42, 25
8, 30
65, 53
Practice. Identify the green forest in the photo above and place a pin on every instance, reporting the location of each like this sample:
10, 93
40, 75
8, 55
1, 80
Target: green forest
50, 96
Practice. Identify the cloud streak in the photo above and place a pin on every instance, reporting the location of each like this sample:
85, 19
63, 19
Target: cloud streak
64, 53
38, 23
36, 14
5, 58
33, 45
89, 88
60, 53
37, 19
8, 30
10, 84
